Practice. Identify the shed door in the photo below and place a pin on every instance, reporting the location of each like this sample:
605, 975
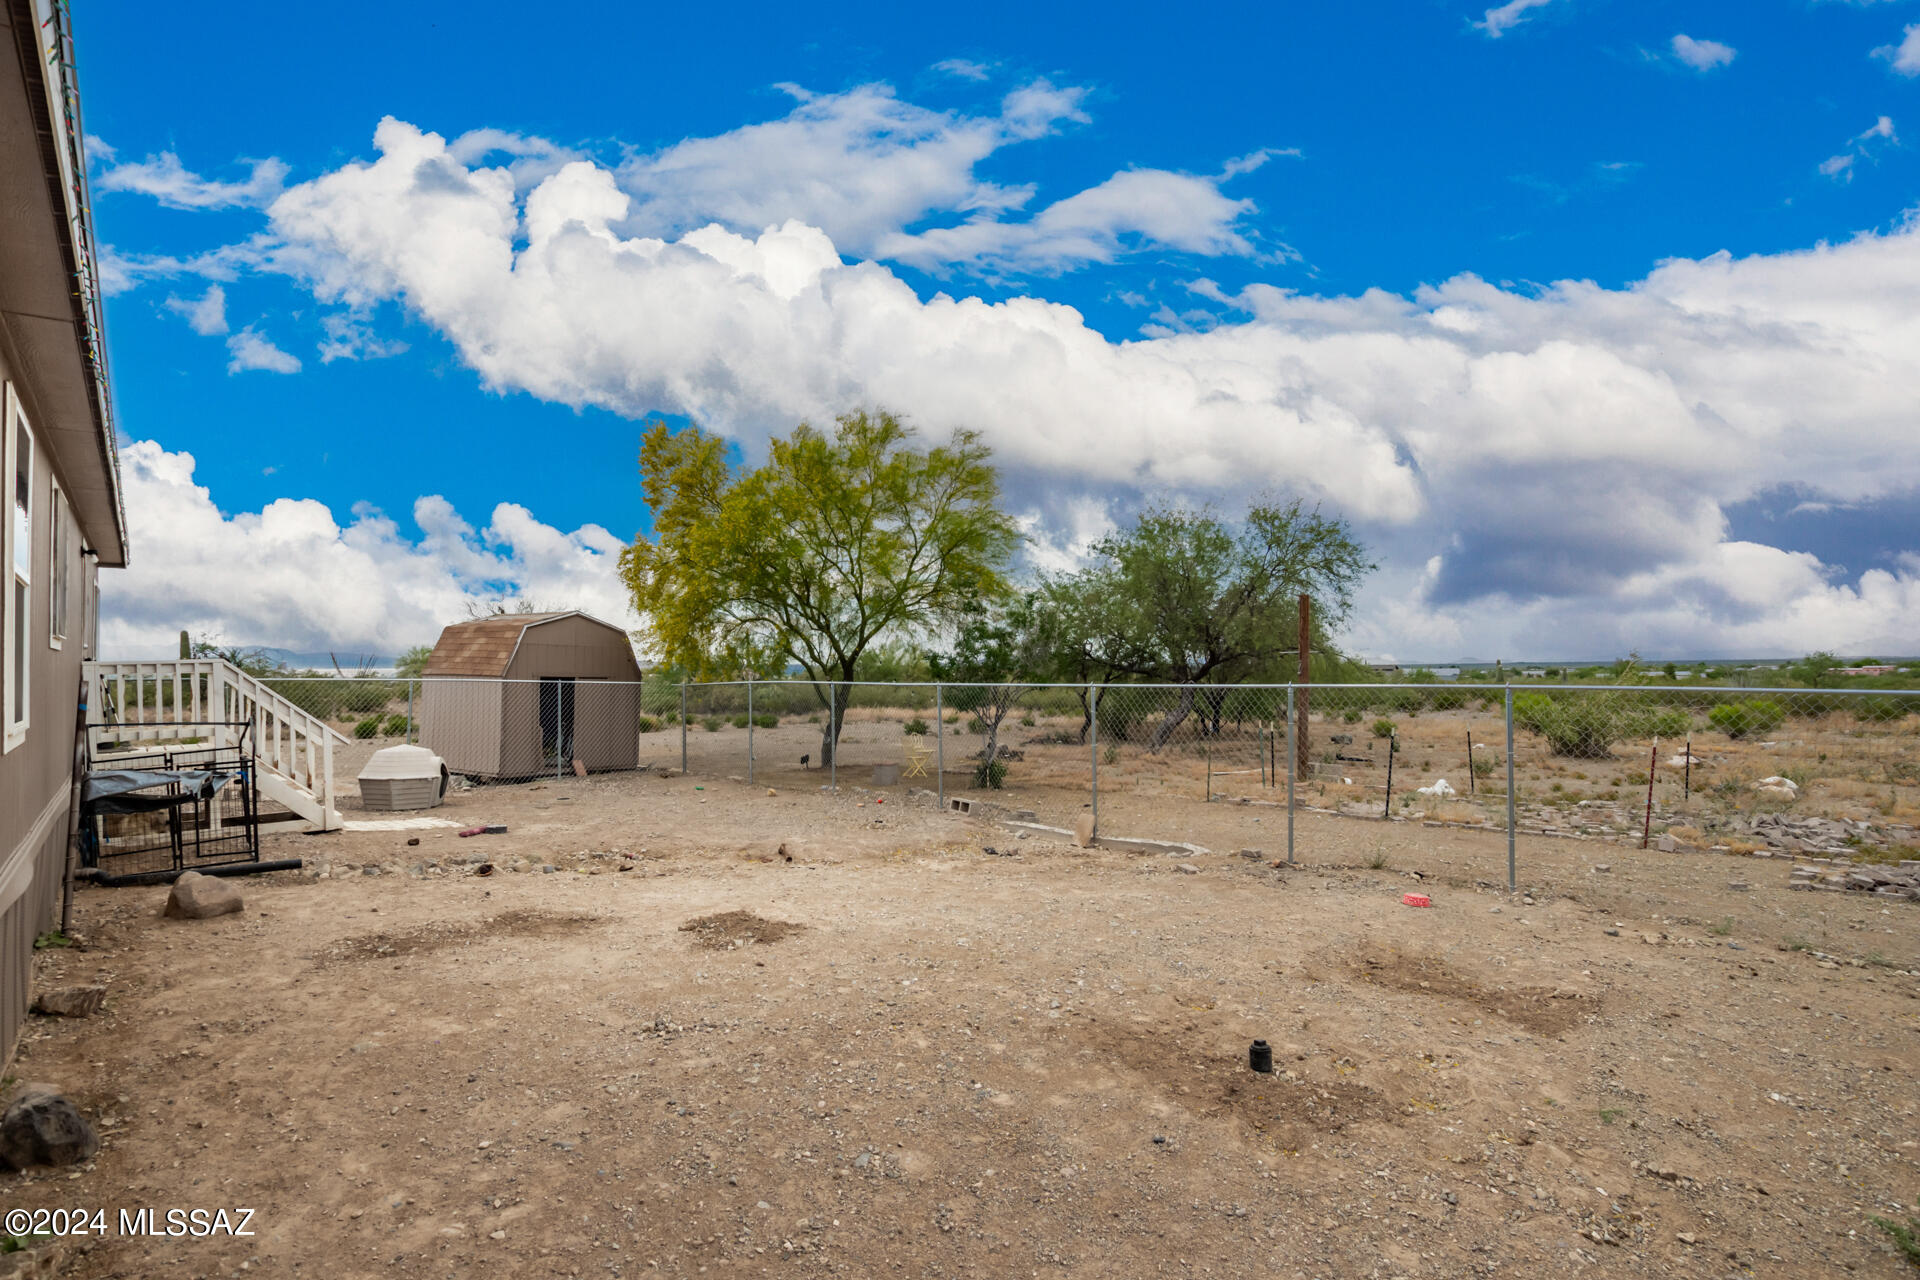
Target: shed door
556, 719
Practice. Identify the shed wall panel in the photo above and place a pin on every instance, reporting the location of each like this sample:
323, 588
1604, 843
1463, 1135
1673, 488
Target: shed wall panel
460, 722
522, 752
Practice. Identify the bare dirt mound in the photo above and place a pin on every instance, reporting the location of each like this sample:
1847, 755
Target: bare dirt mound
1190, 1069
729, 929
1545, 1011
427, 938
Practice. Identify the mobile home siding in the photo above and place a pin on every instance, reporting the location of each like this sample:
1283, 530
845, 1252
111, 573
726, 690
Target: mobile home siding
36, 777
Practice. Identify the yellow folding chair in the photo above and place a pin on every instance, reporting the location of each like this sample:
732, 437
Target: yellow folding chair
917, 758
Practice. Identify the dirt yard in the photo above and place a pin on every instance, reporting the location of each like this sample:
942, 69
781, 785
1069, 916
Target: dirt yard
802, 1034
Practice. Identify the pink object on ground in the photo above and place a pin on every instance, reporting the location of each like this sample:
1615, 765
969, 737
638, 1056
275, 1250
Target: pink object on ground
474, 831
1417, 900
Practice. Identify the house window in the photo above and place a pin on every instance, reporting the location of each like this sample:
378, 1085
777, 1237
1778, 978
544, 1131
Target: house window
18, 556
57, 591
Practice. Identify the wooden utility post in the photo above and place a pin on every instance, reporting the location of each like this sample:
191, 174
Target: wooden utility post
1302, 751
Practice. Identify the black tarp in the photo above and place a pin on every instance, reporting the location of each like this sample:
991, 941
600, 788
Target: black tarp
119, 790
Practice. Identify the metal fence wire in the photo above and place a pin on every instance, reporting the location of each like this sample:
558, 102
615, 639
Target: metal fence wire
1818, 772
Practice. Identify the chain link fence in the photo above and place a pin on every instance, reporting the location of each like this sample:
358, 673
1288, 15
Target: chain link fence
1819, 772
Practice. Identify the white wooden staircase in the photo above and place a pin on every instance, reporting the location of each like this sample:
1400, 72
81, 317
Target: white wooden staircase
133, 705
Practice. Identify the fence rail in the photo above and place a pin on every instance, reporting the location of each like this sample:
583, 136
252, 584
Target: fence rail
1795, 770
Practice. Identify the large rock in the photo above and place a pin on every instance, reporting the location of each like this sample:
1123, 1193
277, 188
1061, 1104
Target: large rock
196, 897
70, 1002
1083, 831
41, 1127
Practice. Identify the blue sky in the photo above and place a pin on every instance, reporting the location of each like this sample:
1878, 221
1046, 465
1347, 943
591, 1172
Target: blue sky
1404, 259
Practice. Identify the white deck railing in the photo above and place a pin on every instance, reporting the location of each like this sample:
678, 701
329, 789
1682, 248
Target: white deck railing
135, 703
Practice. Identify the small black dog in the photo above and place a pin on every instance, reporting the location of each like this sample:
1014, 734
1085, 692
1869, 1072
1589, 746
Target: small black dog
805, 759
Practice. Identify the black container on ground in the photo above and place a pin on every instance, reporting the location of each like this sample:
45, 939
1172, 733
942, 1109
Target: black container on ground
1260, 1057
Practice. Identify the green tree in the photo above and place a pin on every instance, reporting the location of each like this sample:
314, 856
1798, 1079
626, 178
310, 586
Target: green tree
997, 654
1182, 598
413, 663
1816, 669
841, 539
253, 661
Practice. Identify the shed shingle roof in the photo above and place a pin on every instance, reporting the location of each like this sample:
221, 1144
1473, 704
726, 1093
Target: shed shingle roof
482, 647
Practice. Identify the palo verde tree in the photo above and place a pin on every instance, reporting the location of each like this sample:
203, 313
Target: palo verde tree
842, 538
1183, 598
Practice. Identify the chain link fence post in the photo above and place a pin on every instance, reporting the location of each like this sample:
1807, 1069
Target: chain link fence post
1093, 748
1512, 823
833, 738
1291, 768
749, 728
409, 711
940, 744
683, 728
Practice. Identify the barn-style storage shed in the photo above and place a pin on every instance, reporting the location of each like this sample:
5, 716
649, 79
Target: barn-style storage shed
525, 694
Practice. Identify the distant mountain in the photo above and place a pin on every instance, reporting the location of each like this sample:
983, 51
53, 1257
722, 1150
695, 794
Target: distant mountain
323, 661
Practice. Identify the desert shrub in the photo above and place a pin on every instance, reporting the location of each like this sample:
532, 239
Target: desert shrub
1668, 724
1383, 728
648, 724
1583, 729
976, 725
1882, 708
740, 721
367, 728
1405, 701
396, 724
1352, 715
991, 774
1483, 766
917, 727
1448, 699
1027, 720
1743, 719
767, 720
711, 724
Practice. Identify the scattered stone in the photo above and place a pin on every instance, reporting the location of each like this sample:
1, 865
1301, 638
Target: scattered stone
70, 1002
1603, 867
1187, 867
41, 1126
1738, 886
199, 897
1252, 855
1084, 831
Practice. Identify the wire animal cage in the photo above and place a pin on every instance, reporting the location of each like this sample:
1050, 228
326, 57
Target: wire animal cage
190, 805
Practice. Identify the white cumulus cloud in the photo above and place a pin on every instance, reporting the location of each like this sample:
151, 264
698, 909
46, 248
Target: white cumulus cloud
207, 314
1862, 146
1557, 461
291, 576
1903, 57
1702, 55
1561, 442
1505, 17
248, 350
171, 183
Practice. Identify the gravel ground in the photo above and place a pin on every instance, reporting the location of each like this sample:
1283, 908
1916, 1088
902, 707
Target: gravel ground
955, 1062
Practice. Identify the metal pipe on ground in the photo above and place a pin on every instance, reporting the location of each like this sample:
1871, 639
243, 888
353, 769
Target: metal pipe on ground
168, 877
